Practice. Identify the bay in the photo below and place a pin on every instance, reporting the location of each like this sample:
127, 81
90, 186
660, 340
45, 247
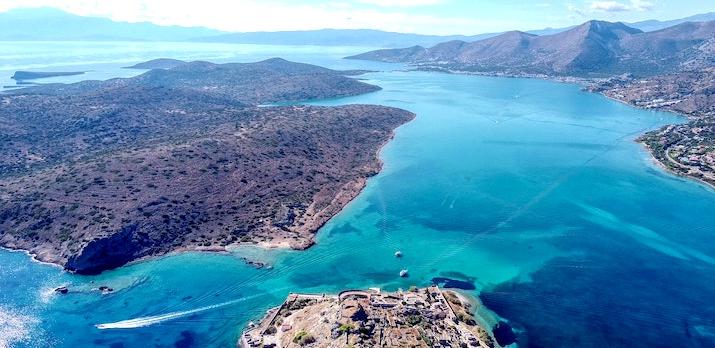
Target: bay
533, 191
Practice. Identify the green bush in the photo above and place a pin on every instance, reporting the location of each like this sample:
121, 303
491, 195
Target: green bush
346, 328
303, 338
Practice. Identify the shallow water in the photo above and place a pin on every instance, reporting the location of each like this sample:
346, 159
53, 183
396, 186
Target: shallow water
533, 191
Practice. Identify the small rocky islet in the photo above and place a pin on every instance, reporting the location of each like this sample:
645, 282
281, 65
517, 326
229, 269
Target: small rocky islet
33, 75
419, 317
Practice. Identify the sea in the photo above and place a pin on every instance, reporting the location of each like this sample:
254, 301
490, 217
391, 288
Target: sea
530, 195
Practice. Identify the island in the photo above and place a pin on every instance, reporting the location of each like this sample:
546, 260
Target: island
424, 317
97, 174
161, 63
32, 75
668, 69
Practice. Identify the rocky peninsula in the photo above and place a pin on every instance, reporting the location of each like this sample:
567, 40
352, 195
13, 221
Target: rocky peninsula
427, 317
99, 173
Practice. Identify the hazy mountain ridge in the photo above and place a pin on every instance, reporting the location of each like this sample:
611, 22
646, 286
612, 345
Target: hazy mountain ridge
338, 37
591, 49
47, 24
653, 25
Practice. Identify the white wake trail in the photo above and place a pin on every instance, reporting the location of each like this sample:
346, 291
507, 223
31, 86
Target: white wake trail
155, 319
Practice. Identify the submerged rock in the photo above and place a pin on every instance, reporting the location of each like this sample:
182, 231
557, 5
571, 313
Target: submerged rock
450, 283
504, 334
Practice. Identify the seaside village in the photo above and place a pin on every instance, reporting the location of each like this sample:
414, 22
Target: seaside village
426, 317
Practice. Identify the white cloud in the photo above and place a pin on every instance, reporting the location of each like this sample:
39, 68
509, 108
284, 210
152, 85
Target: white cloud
641, 5
402, 3
262, 15
615, 6
609, 6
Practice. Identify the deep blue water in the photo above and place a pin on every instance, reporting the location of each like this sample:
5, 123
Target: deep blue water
532, 191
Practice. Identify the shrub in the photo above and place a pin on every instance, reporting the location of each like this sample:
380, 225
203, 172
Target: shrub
346, 327
303, 338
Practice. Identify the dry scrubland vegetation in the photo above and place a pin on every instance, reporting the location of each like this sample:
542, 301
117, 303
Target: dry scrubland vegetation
97, 174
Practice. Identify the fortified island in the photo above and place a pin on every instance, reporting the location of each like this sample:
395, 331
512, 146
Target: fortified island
426, 317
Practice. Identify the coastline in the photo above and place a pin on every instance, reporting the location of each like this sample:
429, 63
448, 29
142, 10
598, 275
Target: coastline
667, 170
32, 257
583, 82
348, 193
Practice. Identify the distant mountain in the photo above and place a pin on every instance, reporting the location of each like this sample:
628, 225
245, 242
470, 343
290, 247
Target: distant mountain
160, 63
653, 25
378, 38
649, 25
593, 48
47, 24
339, 37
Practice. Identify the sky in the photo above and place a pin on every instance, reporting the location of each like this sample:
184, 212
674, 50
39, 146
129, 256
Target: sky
415, 16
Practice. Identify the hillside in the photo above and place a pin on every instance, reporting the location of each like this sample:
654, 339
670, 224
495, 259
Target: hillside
97, 174
670, 69
338, 37
592, 49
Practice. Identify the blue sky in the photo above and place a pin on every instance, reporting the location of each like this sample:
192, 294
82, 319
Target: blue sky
419, 16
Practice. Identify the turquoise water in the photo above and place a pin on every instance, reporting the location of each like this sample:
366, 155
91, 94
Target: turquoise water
533, 191
104, 60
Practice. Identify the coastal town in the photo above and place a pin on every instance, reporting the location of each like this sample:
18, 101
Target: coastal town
686, 149
419, 317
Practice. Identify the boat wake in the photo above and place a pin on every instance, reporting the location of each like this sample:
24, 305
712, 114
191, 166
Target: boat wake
156, 319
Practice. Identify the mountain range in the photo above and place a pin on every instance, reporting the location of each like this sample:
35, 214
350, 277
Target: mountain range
47, 24
591, 49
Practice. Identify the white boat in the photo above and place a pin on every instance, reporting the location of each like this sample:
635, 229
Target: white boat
403, 273
398, 253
